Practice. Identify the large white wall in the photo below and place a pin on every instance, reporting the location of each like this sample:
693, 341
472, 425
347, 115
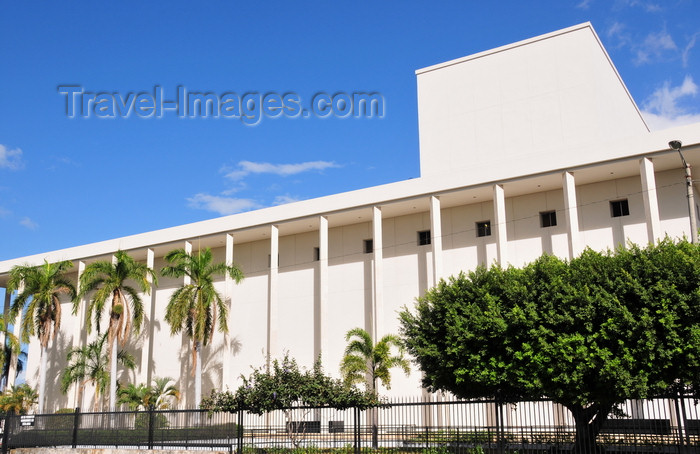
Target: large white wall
535, 105
407, 274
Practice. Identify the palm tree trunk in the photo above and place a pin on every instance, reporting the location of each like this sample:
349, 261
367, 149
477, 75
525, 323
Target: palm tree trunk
42, 380
198, 374
113, 375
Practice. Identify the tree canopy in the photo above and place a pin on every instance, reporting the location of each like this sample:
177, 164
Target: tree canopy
588, 334
285, 385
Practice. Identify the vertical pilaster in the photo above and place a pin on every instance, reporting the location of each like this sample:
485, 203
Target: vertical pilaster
80, 333
571, 213
651, 204
147, 347
436, 240
228, 298
378, 308
499, 210
320, 347
272, 295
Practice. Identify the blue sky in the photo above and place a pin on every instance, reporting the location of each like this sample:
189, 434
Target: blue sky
69, 181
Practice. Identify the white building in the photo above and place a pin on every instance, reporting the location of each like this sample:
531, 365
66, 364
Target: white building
529, 148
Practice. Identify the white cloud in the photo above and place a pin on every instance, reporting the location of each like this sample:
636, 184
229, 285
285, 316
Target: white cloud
28, 223
584, 4
618, 32
687, 49
663, 109
221, 205
654, 47
650, 7
10, 159
282, 199
246, 168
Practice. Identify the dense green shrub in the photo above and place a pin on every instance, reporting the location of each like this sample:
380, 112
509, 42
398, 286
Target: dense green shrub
159, 421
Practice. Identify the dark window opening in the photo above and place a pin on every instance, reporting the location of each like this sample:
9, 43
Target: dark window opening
548, 219
368, 246
619, 208
424, 238
483, 228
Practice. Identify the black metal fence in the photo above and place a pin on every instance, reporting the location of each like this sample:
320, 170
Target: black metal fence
434, 427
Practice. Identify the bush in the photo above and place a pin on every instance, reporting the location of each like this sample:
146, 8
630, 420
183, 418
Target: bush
63, 419
159, 421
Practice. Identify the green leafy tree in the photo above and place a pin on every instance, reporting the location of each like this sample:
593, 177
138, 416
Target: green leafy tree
89, 365
587, 334
109, 282
40, 289
285, 386
18, 399
366, 362
195, 307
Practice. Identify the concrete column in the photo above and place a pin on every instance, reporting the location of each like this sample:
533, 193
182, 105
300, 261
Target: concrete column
188, 249
651, 204
272, 294
436, 240
320, 338
571, 213
499, 210
378, 307
80, 334
147, 347
228, 298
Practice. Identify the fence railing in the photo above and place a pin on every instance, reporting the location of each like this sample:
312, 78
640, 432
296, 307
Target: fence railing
454, 426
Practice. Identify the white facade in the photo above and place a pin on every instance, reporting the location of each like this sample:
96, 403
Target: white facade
507, 136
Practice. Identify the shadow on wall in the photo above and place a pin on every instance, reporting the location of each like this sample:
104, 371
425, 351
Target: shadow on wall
55, 364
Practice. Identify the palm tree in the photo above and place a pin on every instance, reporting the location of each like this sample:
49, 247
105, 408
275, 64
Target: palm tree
40, 288
108, 282
18, 399
134, 396
195, 307
366, 362
88, 365
10, 346
161, 392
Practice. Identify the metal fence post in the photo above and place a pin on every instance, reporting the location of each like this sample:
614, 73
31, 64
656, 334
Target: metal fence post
239, 430
499, 426
680, 423
6, 432
356, 430
76, 422
151, 418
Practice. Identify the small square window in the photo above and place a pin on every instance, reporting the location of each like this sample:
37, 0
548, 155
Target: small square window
368, 246
317, 254
619, 208
548, 219
483, 228
424, 238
